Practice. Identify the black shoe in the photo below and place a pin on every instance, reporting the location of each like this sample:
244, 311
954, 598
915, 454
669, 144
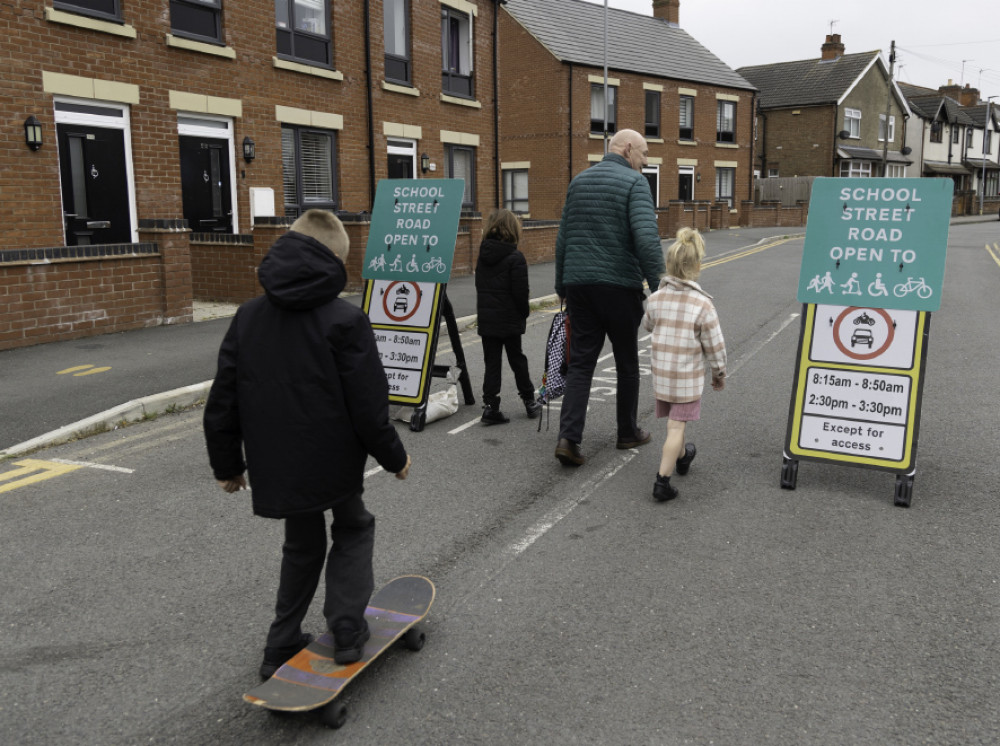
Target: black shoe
569, 453
662, 491
684, 462
493, 416
275, 658
349, 643
532, 407
640, 438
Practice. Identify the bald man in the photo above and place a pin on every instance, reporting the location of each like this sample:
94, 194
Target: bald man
608, 244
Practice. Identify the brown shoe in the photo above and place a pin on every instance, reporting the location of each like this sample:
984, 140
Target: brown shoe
641, 438
568, 453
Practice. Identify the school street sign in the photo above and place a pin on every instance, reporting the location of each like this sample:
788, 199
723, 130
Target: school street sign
413, 230
877, 243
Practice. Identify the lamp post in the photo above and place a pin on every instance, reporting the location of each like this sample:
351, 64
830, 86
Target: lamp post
986, 129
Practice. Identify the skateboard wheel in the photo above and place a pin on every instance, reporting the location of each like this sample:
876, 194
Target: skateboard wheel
334, 715
414, 639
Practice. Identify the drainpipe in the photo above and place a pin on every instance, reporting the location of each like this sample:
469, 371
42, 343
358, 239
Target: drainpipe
497, 180
755, 107
371, 120
569, 160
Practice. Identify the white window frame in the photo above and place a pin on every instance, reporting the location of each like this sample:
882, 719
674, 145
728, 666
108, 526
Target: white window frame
219, 128
852, 123
112, 123
403, 146
856, 169
731, 197
511, 195
895, 170
881, 128
654, 171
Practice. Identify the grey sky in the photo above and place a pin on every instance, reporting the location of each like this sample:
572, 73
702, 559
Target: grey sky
932, 38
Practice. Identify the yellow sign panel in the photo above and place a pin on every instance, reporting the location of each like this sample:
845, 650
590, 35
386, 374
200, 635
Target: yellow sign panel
858, 384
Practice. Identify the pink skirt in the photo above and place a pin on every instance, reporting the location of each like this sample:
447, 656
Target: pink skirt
686, 412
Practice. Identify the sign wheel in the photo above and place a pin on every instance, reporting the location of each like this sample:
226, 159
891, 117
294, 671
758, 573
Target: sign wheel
904, 490
789, 473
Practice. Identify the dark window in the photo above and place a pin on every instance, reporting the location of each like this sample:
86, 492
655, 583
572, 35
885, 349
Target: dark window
397, 41
303, 28
461, 164
968, 137
954, 134
936, 129
456, 53
308, 159
725, 129
653, 114
109, 9
515, 190
597, 108
197, 19
686, 118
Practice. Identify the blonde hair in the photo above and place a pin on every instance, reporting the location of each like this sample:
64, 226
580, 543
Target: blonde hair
326, 228
685, 254
503, 225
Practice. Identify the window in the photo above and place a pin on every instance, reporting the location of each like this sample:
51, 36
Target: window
652, 174
402, 159
686, 118
653, 114
881, 128
991, 184
936, 129
988, 141
109, 9
456, 53
304, 30
461, 164
308, 165
852, 123
856, 169
954, 134
197, 19
968, 137
397, 41
724, 178
895, 170
515, 190
725, 128
772, 173
597, 108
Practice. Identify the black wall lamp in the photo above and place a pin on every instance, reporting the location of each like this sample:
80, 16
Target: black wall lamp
425, 162
33, 132
249, 149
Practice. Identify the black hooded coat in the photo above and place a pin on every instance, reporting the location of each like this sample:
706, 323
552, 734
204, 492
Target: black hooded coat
300, 388
501, 290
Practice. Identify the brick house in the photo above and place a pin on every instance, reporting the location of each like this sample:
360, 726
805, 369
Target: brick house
827, 116
695, 112
178, 138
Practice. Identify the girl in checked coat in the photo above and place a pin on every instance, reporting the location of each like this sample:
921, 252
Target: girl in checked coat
685, 335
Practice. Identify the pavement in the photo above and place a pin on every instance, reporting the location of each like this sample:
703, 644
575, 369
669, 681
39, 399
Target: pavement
55, 394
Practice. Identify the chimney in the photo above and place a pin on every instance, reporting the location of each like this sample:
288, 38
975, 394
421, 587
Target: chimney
668, 10
832, 49
969, 96
952, 90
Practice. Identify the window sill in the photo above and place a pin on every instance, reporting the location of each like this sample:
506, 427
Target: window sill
179, 42
299, 67
730, 145
472, 104
687, 142
657, 140
93, 24
395, 88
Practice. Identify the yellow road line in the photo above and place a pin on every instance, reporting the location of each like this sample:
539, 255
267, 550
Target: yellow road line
91, 371
32, 471
74, 369
745, 253
994, 252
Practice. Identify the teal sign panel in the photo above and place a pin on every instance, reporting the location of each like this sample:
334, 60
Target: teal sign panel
413, 230
877, 243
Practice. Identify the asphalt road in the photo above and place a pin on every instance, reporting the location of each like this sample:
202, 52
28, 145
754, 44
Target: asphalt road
571, 608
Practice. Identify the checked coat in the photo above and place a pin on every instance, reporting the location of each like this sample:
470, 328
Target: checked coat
685, 334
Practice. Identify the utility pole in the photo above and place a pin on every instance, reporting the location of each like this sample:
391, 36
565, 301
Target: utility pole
987, 128
888, 108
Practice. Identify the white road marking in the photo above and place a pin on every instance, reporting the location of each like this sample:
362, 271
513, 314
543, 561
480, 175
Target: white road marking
91, 465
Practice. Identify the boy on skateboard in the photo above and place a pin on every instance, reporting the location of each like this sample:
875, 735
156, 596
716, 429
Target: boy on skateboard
300, 392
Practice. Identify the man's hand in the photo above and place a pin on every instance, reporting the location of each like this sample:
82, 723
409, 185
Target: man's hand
402, 473
234, 484
718, 383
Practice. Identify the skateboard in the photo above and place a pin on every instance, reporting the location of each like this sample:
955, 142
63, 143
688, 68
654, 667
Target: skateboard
312, 679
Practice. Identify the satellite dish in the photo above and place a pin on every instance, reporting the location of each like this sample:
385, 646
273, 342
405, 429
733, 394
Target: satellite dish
906, 150
843, 134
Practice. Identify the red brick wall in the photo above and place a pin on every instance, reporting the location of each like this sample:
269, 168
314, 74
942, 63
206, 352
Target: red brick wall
798, 144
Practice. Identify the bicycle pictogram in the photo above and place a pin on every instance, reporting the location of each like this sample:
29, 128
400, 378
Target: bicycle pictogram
919, 286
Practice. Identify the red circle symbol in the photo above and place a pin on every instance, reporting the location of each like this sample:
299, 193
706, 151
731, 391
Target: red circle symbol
401, 300
873, 353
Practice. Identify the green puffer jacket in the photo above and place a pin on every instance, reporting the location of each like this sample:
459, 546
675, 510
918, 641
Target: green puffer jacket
608, 233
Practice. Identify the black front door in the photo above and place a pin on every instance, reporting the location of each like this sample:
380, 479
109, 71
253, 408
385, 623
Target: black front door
205, 186
686, 191
400, 166
94, 185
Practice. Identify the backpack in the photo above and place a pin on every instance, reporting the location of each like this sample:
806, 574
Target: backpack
557, 353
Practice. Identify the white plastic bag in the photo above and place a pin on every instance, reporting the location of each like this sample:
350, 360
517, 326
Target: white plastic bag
440, 404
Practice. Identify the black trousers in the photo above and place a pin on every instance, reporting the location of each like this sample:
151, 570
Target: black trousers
596, 312
349, 576
493, 348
